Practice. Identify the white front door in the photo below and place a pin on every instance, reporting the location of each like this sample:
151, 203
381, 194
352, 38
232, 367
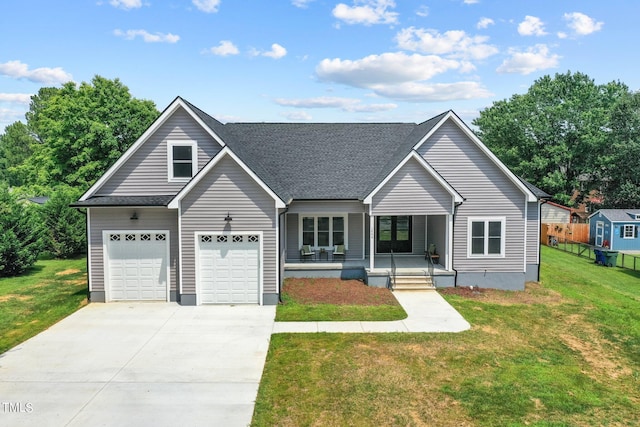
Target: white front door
137, 266
599, 233
228, 270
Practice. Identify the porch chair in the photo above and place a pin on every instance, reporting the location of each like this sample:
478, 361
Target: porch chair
339, 250
307, 253
434, 255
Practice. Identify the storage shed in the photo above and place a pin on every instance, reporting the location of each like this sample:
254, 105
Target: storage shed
619, 229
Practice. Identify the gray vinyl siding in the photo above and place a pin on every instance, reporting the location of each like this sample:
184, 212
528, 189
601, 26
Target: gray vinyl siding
227, 188
119, 219
412, 191
145, 172
488, 192
552, 213
326, 206
419, 225
533, 233
355, 236
293, 245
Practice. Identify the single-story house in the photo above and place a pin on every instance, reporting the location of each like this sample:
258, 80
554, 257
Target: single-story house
555, 213
617, 229
197, 211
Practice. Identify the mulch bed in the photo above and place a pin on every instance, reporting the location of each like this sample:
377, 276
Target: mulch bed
337, 292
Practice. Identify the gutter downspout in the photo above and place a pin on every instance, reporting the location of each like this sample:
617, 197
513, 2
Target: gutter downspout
280, 266
453, 225
542, 202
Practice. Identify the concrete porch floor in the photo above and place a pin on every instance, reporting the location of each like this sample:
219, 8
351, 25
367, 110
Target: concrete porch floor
382, 263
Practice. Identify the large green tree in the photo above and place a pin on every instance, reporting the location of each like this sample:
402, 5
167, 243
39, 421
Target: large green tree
16, 145
555, 135
82, 130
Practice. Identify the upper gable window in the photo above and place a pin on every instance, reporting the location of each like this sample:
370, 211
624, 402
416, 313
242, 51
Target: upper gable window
182, 160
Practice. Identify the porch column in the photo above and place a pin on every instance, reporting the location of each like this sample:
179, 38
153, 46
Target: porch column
448, 259
372, 239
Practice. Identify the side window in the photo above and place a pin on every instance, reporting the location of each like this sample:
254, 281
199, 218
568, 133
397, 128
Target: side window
182, 160
486, 237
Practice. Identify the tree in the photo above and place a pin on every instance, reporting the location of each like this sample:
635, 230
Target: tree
16, 146
621, 167
66, 234
21, 234
82, 130
554, 135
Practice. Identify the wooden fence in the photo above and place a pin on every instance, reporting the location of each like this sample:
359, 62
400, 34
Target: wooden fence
564, 232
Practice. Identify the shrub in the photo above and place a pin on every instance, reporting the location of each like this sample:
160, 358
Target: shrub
21, 234
65, 226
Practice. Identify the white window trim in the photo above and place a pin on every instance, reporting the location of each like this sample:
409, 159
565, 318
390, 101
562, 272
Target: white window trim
486, 220
194, 159
315, 228
628, 227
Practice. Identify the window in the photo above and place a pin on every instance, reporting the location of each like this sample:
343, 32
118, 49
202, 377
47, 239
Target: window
629, 231
182, 160
486, 237
323, 230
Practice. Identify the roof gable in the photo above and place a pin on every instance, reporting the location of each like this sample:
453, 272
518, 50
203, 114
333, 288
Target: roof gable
450, 115
619, 215
177, 104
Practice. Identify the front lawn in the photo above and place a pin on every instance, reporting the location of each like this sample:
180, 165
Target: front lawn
32, 302
565, 352
334, 299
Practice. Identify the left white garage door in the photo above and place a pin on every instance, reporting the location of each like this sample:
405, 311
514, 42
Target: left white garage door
137, 266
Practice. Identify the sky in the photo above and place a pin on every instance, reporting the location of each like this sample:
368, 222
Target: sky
314, 60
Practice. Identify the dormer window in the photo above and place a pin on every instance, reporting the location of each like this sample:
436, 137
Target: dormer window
182, 160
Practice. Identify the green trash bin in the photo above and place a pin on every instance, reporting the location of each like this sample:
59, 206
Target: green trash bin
610, 258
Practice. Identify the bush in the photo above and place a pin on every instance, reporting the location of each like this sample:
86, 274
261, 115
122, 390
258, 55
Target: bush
21, 234
66, 234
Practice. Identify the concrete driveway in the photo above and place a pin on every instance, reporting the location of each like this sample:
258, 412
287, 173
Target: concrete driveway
142, 364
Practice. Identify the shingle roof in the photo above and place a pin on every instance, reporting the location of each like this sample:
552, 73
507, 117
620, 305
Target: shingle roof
540, 194
124, 201
619, 214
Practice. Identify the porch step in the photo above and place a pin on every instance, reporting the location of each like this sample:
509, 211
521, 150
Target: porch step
412, 283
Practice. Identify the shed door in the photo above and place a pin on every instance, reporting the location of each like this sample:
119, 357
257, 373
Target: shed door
229, 269
599, 233
137, 266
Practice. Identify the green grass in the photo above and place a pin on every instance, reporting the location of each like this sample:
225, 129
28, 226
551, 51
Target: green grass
32, 302
293, 311
566, 353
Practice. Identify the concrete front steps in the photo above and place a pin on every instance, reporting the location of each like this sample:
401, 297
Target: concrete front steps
412, 283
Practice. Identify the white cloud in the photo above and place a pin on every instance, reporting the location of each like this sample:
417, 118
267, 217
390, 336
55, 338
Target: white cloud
433, 92
276, 52
455, 43
301, 3
344, 104
16, 98
207, 6
531, 26
225, 48
20, 70
126, 4
533, 59
562, 35
146, 36
471, 1
582, 24
8, 116
370, 12
484, 23
298, 116
423, 11
387, 68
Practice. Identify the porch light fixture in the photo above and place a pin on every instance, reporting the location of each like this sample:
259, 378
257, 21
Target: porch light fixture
228, 217
134, 217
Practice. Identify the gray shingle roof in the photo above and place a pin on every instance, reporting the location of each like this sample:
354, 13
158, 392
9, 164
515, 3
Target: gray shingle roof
619, 214
124, 201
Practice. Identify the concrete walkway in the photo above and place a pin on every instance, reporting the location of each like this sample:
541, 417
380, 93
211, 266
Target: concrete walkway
427, 312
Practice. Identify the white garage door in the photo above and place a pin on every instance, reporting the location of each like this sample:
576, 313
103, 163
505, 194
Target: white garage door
137, 265
229, 269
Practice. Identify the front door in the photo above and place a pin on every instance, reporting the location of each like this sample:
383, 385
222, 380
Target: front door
599, 233
393, 234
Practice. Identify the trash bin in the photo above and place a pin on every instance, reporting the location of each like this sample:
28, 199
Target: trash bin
610, 258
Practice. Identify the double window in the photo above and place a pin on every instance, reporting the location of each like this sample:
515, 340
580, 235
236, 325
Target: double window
629, 231
182, 160
486, 237
323, 231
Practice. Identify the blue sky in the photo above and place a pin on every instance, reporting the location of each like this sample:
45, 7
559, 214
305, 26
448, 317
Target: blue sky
313, 60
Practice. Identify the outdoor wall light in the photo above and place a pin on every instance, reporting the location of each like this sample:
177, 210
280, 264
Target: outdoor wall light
228, 217
134, 217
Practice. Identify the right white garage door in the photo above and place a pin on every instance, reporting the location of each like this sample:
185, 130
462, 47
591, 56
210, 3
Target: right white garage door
229, 268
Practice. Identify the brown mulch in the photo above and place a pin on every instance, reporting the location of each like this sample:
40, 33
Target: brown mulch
336, 291
534, 293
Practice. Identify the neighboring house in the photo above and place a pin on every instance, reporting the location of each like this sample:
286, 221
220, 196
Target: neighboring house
200, 212
618, 229
555, 213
